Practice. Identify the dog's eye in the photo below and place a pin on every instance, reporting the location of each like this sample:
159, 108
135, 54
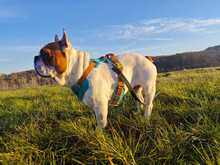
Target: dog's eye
50, 60
47, 59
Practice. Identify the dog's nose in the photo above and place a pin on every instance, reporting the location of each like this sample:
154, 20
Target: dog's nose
36, 58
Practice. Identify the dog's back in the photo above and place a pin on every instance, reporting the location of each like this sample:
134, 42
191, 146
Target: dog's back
138, 69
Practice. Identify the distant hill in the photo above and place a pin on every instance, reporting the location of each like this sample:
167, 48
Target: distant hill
209, 57
22, 80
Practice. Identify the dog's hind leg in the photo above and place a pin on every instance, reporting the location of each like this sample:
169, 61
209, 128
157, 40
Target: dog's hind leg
149, 93
139, 92
101, 112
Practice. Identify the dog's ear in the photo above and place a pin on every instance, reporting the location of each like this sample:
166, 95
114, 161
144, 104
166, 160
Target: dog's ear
65, 41
56, 38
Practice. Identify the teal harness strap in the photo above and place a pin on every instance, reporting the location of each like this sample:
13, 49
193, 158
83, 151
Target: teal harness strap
99, 61
79, 89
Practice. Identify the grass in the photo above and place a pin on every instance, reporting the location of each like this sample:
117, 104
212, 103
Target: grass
47, 125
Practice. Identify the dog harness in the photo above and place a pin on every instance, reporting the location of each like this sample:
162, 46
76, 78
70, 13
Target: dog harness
82, 84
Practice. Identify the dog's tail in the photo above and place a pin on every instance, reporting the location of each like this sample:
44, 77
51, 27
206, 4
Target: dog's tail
151, 58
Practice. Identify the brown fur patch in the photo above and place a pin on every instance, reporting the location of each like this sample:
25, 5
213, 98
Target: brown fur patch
53, 56
150, 58
60, 62
136, 87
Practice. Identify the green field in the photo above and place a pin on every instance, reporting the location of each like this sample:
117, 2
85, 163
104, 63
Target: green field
47, 125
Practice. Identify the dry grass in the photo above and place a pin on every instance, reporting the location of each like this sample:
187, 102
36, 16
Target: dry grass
47, 125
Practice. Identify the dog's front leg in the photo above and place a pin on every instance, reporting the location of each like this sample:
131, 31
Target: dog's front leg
101, 112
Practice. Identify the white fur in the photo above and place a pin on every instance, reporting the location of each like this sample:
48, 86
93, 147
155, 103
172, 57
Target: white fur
136, 68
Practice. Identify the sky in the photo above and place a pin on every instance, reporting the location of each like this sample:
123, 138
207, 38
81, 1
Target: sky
150, 27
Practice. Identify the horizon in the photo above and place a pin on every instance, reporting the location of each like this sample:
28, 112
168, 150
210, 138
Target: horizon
152, 28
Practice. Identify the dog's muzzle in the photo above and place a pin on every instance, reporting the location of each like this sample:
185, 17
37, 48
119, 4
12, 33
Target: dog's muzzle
41, 69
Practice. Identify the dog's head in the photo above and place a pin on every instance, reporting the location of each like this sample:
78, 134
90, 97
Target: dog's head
52, 60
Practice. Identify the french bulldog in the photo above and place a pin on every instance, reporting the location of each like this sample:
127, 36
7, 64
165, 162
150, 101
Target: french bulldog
66, 65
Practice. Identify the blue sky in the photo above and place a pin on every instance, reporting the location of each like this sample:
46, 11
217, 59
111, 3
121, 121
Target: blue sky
152, 27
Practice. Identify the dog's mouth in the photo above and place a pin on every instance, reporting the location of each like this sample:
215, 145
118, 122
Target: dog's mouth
41, 69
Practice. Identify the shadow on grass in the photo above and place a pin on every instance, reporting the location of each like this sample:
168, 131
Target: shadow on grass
9, 121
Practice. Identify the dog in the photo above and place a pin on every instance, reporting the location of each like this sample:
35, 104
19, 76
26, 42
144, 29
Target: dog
66, 65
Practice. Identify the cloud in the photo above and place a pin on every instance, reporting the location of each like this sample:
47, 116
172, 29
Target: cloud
160, 26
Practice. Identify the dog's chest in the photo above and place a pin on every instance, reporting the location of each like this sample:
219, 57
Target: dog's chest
102, 82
